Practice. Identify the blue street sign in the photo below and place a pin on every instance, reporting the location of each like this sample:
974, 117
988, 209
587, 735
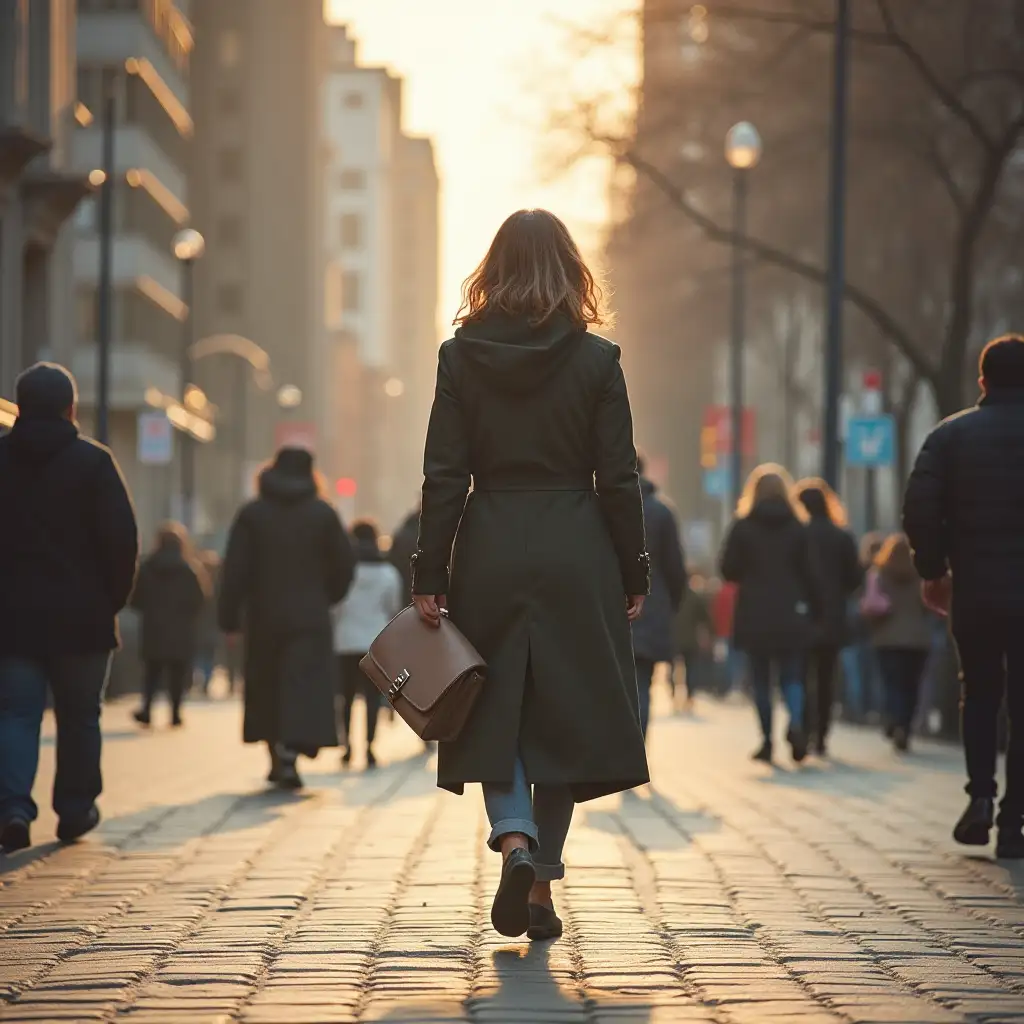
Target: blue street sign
716, 481
871, 441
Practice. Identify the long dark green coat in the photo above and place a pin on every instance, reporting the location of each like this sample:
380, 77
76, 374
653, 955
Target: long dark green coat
550, 541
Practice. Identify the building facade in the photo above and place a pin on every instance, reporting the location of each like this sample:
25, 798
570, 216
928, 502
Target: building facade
136, 54
38, 189
256, 188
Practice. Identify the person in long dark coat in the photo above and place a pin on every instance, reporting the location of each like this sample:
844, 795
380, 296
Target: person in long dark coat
838, 561
653, 633
169, 595
403, 546
288, 561
549, 565
767, 553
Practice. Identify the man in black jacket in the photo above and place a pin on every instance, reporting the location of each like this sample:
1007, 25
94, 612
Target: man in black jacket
964, 515
653, 631
68, 549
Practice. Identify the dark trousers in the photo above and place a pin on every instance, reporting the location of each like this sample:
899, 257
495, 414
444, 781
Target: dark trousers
77, 686
176, 675
821, 689
902, 670
991, 649
353, 681
790, 671
644, 675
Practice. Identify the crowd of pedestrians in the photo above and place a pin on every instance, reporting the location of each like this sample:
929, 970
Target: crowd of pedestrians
543, 539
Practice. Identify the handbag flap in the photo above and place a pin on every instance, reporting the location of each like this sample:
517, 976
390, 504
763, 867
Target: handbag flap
423, 662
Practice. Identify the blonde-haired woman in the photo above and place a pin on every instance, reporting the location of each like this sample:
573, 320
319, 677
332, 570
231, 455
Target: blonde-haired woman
549, 563
767, 554
838, 561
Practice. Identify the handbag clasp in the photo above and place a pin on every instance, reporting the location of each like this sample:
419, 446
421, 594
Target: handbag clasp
396, 686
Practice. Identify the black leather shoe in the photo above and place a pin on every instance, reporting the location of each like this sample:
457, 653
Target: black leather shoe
510, 911
1010, 843
976, 822
763, 753
70, 829
544, 923
14, 835
797, 740
142, 717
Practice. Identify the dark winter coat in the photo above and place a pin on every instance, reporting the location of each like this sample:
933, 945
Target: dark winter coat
652, 635
692, 620
68, 541
549, 544
288, 561
169, 596
768, 555
909, 624
403, 547
840, 572
964, 505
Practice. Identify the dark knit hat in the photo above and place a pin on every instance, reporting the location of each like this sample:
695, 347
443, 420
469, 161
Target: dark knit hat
45, 391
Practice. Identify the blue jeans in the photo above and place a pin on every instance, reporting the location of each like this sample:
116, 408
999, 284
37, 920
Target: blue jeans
77, 684
543, 817
790, 682
902, 671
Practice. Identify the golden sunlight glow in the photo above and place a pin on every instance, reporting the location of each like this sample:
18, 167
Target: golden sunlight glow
97, 177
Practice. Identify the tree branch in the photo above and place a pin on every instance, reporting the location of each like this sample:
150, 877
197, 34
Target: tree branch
871, 308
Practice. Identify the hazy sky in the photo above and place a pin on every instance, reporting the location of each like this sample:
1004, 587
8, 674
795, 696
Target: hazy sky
479, 77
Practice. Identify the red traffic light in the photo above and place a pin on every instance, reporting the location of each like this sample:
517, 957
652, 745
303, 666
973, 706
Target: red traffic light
346, 487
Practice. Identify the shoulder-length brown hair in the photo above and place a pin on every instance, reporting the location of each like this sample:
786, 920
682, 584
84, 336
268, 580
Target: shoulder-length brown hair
533, 269
769, 482
896, 559
819, 499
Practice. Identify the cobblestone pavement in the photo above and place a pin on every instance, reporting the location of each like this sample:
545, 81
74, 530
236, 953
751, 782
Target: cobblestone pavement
729, 892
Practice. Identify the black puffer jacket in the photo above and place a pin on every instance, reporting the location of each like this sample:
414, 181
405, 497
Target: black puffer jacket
169, 595
68, 541
768, 555
838, 562
964, 506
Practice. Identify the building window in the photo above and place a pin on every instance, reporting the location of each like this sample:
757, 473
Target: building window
230, 48
352, 100
351, 231
230, 164
230, 102
229, 298
350, 291
229, 231
352, 179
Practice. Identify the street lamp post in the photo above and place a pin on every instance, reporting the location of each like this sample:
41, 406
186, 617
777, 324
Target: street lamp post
742, 151
188, 246
105, 288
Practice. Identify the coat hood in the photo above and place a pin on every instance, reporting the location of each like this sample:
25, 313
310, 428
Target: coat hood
37, 440
773, 512
290, 478
514, 355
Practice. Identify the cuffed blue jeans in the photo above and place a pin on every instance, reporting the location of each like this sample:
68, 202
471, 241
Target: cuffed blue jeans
790, 682
77, 684
543, 816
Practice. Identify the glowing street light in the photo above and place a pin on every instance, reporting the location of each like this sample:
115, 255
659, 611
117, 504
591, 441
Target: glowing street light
743, 146
289, 396
188, 245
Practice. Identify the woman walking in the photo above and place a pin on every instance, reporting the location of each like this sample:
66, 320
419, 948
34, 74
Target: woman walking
373, 600
901, 633
767, 553
169, 595
288, 562
549, 565
838, 562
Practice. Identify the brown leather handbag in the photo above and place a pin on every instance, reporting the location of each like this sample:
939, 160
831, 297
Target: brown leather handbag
431, 677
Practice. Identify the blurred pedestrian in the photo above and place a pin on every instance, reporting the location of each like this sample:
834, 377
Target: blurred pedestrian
901, 632
373, 600
862, 693
403, 547
209, 639
68, 551
288, 562
838, 563
653, 632
693, 636
729, 661
964, 515
767, 553
169, 596
549, 565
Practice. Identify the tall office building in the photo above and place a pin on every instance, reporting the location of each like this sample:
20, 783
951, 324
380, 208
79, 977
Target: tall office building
256, 188
381, 278
137, 52
38, 191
